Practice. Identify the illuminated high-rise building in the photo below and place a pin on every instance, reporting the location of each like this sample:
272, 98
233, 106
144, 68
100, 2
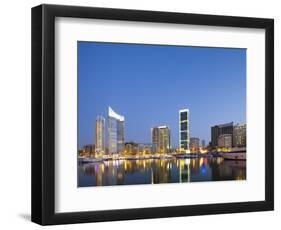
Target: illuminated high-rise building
184, 130
115, 132
161, 138
155, 137
164, 139
100, 134
221, 129
239, 135
225, 141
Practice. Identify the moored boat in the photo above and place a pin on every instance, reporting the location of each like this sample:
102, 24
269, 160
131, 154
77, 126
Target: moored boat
89, 160
235, 156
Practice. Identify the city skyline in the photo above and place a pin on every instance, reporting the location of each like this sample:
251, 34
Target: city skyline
226, 135
142, 114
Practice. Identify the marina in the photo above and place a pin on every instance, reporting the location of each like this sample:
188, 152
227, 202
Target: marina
241, 155
158, 170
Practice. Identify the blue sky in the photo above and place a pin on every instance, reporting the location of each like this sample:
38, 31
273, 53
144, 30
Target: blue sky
148, 84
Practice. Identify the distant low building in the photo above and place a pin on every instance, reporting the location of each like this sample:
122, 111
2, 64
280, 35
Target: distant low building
131, 148
194, 144
146, 148
88, 150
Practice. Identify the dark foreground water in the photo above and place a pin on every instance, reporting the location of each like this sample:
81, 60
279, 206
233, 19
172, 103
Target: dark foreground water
155, 171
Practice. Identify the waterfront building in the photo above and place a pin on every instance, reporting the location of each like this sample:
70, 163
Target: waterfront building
146, 148
131, 148
100, 135
221, 129
161, 139
155, 136
184, 130
194, 143
239, 135
88, 150
225, 141
115, 132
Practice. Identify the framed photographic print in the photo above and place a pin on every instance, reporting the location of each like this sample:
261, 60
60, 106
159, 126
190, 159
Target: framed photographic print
142, 114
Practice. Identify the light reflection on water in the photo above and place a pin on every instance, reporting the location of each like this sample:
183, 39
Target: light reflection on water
155, 171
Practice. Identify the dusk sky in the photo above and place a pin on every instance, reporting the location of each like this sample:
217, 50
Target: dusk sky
148, 84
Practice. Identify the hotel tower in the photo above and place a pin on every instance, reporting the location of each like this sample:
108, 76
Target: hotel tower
100, 135
161, 139
115, 132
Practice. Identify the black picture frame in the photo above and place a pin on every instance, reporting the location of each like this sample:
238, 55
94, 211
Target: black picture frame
43, 114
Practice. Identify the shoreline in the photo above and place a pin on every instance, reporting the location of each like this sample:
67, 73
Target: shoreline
225, 155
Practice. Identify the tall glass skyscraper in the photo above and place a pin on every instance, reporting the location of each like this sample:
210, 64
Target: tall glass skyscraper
100, 134
184, 130
161, 138
115, 132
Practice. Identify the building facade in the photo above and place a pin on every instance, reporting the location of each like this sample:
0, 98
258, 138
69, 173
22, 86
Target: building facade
219, 130
88, 150
161, 139
225, 141
239, 135
155, 137
100, 135
131, 148
194, 143
184, 141
115, 132
146, 148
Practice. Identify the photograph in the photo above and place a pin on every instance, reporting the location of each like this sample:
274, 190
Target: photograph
140, 114
156, 114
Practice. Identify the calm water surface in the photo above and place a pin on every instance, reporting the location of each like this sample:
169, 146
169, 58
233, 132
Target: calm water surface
155, 171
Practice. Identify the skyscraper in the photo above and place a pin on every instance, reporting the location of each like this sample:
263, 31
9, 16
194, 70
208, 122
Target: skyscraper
100, 135
218, 130
155, 137
239, 135
115, 132
184, 130
161, 138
